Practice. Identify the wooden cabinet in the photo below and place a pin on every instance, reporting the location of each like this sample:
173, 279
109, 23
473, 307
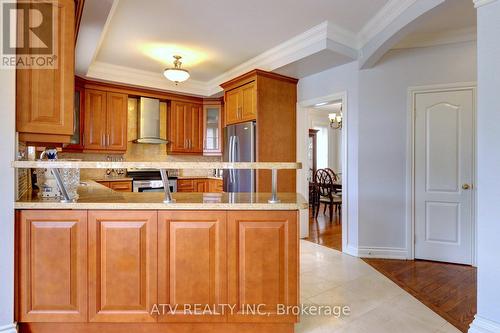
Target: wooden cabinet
116, 121
271, 100
105, 121
44, 97
192, 263
185, 128
117, 185
76, 140
241, 104
263, 263
52, 271
212, 129
127, 266
201, 185
215, 186
122, 265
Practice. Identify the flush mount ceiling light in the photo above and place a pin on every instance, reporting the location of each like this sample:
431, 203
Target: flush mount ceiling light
176, 73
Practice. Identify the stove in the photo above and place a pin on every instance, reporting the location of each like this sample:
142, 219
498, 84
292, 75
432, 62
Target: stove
149, 180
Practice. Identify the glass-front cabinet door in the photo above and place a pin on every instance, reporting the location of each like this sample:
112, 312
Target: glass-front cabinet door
212, 143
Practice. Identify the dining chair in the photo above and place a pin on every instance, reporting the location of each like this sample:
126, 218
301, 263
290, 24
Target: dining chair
327, 196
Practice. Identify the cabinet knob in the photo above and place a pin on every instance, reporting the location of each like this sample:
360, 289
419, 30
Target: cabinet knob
465, 186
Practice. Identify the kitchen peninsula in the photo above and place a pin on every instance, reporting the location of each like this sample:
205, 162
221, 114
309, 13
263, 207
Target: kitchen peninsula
121, 261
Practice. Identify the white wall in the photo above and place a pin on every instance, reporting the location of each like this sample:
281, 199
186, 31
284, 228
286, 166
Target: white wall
338, 80
7, 144
377, 114
383, 128
488, 160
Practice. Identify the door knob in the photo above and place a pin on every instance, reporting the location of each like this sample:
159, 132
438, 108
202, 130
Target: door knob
465, 186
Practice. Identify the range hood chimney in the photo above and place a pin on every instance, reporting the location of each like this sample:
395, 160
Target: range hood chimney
149, 121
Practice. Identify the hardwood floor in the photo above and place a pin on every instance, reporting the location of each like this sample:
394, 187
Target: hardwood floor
324, 232
447, 289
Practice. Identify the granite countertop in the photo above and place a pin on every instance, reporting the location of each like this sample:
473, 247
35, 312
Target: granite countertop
96, 196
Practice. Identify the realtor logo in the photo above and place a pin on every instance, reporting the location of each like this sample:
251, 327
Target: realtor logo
29, 33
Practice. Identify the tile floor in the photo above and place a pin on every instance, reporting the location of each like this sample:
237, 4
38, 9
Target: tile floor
329, 277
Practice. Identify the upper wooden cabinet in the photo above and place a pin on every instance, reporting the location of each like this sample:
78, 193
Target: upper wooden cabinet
105, 121
185, 128
212, 129
271, 100
44, 97
241, 104
52, 266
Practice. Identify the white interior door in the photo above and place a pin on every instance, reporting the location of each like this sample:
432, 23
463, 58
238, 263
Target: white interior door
444, 153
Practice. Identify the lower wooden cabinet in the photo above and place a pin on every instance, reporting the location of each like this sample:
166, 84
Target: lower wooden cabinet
115, 266
192, 263
200, 185
119, 186
122, 265
263, 265
52, 275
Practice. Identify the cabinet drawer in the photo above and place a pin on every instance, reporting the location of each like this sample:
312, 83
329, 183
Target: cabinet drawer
185, 185
125, 186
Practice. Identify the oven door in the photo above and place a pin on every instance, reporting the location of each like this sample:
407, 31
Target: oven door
152, 186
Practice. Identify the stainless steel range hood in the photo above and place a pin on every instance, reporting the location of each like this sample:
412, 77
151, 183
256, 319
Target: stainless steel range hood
149, 121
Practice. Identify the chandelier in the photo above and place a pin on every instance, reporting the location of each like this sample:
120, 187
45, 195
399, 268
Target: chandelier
336, 119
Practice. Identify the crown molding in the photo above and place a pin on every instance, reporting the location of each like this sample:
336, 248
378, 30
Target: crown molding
295, 48
311, 41
114, 73
385, 16
480, 3
441, 38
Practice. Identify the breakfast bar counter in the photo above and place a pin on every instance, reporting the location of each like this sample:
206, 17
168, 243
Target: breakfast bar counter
110, 262
93, 195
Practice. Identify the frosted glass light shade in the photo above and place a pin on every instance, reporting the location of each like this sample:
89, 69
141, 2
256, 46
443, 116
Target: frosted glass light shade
176, 74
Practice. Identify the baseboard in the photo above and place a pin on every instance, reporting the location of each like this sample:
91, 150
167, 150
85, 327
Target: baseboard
11, 328
351, 250
383, 253
483, 325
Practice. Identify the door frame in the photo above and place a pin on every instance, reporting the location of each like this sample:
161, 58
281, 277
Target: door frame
410, 165
302, 139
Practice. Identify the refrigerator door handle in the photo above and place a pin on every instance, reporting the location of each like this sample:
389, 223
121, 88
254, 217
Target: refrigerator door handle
230, 158
233, 158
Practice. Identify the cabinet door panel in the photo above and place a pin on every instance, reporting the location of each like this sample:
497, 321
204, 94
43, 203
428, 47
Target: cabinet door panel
191, 262
176, 132
44, 97
196, 137
249, 102
53, 266
231, 107
122, 265
116, 122
95, 119
201, 185
263, 262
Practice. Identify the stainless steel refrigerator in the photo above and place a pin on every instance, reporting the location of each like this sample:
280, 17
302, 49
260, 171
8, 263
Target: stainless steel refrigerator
239, 147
